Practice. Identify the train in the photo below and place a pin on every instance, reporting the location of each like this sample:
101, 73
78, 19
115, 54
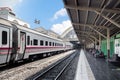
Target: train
18, 43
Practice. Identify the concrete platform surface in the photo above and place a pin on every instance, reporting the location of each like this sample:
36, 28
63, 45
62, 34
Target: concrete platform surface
102, 69
84, 71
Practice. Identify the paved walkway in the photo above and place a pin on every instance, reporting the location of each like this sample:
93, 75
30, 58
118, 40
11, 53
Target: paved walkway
102, 69
91, 68
83, 69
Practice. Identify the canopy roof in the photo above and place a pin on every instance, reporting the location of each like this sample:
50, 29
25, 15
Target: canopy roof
91, 18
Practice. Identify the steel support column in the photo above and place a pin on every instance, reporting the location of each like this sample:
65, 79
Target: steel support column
95, 44
108, 44
99, 42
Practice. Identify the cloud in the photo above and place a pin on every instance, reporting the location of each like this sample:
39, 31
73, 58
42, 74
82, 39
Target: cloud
62, 12
9, 3
60, 28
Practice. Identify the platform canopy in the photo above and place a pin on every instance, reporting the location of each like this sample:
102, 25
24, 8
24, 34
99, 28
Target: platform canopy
93, 18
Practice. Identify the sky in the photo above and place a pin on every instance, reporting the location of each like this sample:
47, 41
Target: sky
51, 13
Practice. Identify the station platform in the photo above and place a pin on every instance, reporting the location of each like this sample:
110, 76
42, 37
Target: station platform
91, 68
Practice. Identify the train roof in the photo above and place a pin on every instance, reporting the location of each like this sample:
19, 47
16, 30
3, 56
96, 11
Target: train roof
34, 31
9, 23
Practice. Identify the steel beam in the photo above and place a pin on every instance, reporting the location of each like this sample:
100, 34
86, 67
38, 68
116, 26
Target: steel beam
97, 32
87, 37
91, 36
77, 13
110, 20
84, 32
102, 27
92, 9
92, 29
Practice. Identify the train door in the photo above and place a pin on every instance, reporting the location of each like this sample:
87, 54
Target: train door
14, 43
4, 44
22, 45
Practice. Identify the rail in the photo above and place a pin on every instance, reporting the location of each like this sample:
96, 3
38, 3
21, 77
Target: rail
55, 70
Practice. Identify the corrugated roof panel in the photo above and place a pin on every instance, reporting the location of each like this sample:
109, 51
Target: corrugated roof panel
91, 17
83, 2
95, 3
73, 14
82, 16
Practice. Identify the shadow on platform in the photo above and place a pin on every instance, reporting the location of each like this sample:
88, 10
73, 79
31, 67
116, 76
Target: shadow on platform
102, 69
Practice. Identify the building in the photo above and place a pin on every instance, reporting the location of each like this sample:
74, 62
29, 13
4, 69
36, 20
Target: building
69, 35
53, 34
47, 32
41, 30
7, 13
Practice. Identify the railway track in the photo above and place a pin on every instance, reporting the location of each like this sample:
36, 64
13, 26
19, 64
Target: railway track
24, 71
54, 72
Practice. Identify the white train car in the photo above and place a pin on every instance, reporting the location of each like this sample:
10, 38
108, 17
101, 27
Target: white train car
5, 41
68, 45
18, 43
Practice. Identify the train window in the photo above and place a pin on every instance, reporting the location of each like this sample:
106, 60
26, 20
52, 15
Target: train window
49, 43
4, 37
35, 41
46, 43
41, 42
53, 43
28, 40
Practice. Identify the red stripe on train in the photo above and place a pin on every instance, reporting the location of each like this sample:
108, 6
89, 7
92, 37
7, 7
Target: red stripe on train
4, 50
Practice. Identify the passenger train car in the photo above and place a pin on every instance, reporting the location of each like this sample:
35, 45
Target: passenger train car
18, 43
